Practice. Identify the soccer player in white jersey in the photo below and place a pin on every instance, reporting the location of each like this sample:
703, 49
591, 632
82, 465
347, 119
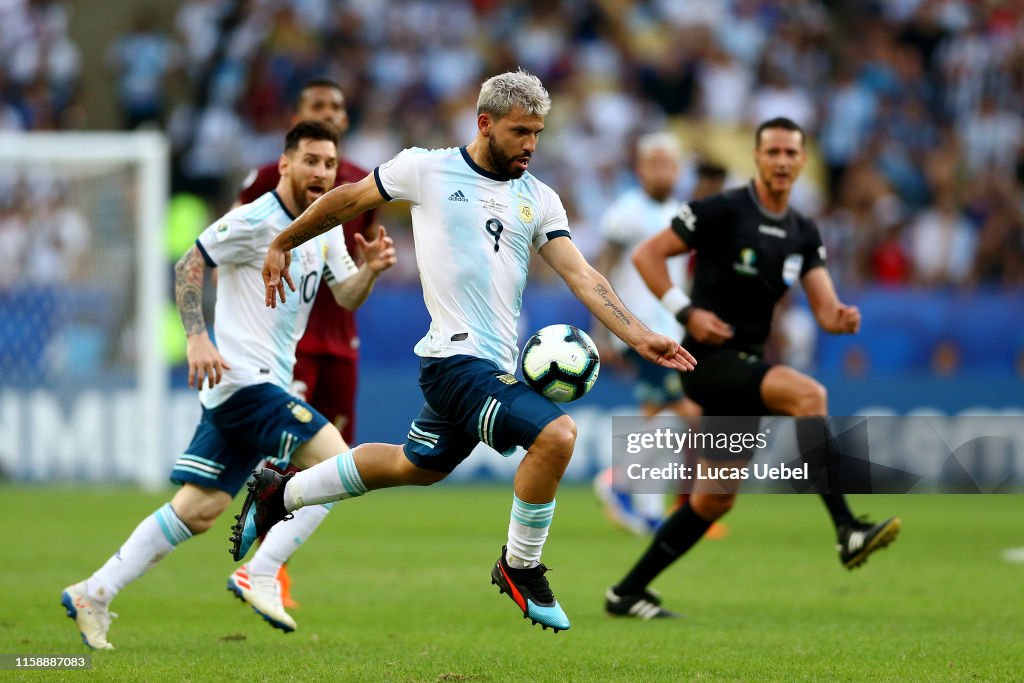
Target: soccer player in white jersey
476, 216
637, 214
243, 378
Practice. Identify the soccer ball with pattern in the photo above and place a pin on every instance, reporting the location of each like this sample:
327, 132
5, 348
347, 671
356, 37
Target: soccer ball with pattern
560, 362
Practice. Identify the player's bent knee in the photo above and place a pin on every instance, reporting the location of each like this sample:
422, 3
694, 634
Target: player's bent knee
813, 399
199, 507
325, 444
557, 438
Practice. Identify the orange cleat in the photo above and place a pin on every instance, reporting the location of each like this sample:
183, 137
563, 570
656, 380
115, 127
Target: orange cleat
286, 587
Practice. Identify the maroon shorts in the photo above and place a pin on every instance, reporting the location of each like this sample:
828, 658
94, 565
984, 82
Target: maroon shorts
328, 383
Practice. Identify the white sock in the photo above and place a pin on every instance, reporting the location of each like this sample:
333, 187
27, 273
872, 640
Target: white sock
284, 538
336, 478
527, 531
152, 540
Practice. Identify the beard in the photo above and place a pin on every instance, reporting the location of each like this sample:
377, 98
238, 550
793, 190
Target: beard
503, 163
301, 196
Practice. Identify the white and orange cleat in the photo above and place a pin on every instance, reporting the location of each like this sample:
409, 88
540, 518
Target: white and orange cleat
92, 618
263, 594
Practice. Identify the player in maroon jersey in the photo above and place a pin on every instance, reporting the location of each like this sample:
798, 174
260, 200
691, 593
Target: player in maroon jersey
327, 358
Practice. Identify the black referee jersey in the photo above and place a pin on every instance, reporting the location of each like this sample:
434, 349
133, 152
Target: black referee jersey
747, 258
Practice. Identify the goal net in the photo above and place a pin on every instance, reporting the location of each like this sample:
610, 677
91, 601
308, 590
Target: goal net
83, 284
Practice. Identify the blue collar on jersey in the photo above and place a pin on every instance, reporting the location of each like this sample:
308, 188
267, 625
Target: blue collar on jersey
281, 202
480, 169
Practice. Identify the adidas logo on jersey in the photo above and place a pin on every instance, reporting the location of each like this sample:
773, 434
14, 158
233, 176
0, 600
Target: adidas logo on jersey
457, 196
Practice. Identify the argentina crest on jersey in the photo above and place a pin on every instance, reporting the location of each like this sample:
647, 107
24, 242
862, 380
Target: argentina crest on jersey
526, 213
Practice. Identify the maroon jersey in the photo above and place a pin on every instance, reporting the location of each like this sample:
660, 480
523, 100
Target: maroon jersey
331, 329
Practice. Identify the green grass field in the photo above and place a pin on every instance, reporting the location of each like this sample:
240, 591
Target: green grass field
395, 587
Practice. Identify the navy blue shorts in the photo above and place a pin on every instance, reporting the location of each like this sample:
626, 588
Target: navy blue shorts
258, 422
471, 400
655, 384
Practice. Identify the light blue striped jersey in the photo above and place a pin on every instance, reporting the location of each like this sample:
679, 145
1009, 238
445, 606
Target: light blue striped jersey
474, 233
256, 341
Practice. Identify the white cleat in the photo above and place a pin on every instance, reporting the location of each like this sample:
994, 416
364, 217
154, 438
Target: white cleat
626, 510
263, 594
92, 618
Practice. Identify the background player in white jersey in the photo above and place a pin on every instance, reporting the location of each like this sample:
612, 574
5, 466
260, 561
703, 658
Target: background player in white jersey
243, 379
476, 214
636, 215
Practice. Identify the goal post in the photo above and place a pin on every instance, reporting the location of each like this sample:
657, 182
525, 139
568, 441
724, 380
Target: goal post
83, 377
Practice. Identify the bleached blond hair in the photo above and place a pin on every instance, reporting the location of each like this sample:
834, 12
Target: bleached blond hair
500, 94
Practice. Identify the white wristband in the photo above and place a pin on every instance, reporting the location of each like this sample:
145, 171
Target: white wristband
674, 300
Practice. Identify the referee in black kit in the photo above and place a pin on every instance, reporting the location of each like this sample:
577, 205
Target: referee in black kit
751, 247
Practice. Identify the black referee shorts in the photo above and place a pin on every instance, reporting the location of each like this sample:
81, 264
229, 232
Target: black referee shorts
726, 381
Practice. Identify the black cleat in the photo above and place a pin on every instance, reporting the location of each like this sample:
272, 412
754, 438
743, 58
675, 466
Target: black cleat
529, 589
645, 605
262, 509
861, 538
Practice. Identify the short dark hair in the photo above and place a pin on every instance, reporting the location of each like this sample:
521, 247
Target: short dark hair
711, 170
309, 130
779, 122
315, 83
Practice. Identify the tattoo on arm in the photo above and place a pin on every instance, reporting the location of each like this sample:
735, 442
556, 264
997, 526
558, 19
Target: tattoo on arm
616, 309
329, 221
189, 273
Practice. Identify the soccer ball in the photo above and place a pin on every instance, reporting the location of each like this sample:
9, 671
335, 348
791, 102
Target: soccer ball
560, 362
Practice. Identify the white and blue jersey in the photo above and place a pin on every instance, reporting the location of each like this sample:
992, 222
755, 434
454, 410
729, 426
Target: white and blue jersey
256, 341
474, 233
631, 219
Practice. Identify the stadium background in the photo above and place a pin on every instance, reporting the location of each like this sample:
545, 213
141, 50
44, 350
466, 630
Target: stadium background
916, 175
916, 181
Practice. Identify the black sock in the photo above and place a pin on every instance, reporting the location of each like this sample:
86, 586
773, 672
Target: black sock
837, 508
677, 535
818, 448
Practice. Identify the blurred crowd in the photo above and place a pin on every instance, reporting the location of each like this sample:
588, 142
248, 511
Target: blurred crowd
914, 107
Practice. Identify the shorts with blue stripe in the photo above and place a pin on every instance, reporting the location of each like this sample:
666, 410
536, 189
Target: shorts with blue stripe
258, 422
471, 400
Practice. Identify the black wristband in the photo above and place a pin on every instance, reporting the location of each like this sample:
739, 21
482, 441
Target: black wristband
684, 314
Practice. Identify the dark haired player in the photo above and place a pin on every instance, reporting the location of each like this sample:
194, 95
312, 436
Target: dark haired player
247, 410
327, 359
752, 247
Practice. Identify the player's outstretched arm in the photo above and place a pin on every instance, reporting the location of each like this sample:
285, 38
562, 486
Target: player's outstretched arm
832, 315
204, 360
341, 204
593, 290
377, 256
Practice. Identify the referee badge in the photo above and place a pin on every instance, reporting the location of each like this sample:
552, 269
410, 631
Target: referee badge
526, 213
791, 268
